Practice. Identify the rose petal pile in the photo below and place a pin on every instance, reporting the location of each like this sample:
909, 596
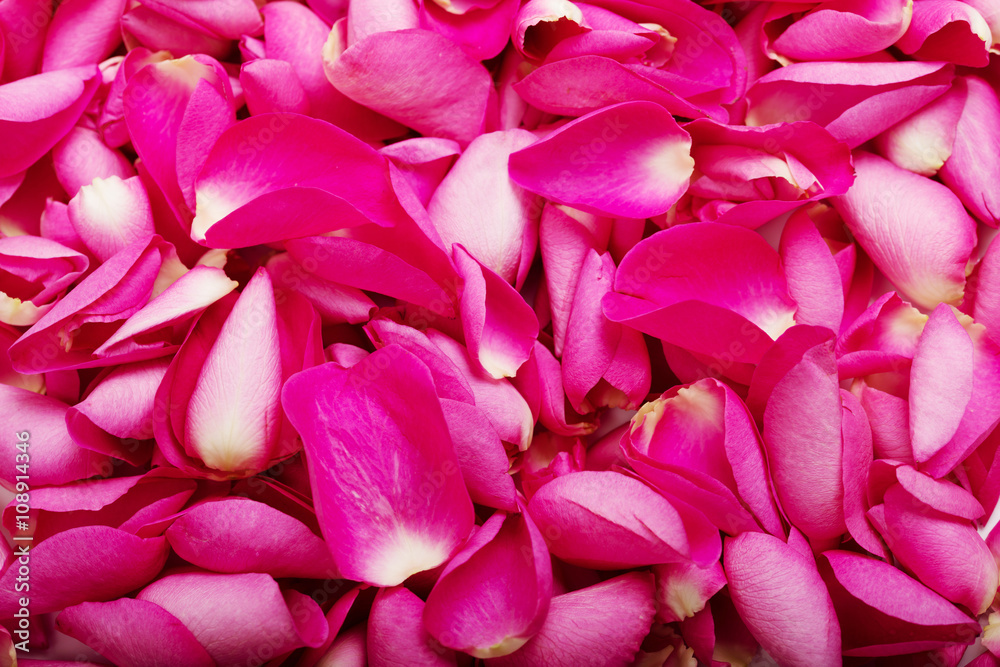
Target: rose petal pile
506, 332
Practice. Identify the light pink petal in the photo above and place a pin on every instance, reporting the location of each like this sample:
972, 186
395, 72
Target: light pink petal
882, 611
802, 432
683, 589
54, 457
813, 277
942, 366
335, 619
349, 649
782, 599
500, 328
840, 31
81, 156
231, 613
242, 535
987, 305
369, 18
38, 111
110, 214
607, 520
396, 632
143, 27
378, 521
480, 208
915, 230
945, 553
235, 411
481, 455
133, 633
940, 494
311, 176
82, 33
638, 163
442, 93
423, 162
493, 595
854, 101
565, 235
92, 563
974, 164
601, 624
949, 31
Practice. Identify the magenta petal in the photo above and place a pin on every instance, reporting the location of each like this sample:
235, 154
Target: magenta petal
229, 613
813, 277
608, 520
603, 624
949, 31
882, 611
791, 615
82, 32
446, 96
241, 535
396, 632
500, 328
942, 366
153, 634
85, 564
974, 163
501, 232
34, 273
37, 111
638, 166
917, 232
858, 451
366, 488
54, 457
839, 31
604, 363
423, 162
81, 156
493, 595
311, 175
481, 455
271, 86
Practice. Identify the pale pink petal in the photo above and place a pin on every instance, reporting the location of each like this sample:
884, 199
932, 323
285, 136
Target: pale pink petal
493, 596
784, 602
915, 230
375, 515
922, 142
638, 163
110, 214
683, 589
601, 624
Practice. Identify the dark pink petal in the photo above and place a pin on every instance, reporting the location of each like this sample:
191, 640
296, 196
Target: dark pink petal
481, 455
940, 494
34, 273
482, 33
38, 111
82, 33
540, 381
949, 31
228, 19
387, 511
889, 417
608, 520
423, 162
813, 277
857, 459
802, 432
445, 96
501, 232
500, 328
601, 624
231, 613
143, 27
25, 23
311, 175
889, 209
944, 552
604, 363
636, 164
541, 24
81, 156
133, 633
942, 366
243, 535
683, 589
396, 632
839, 31
92, 563
974, 164
780, 358
882, 611
271, 86
335, 303
54, 457
854, 101
493, 596
784, 602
